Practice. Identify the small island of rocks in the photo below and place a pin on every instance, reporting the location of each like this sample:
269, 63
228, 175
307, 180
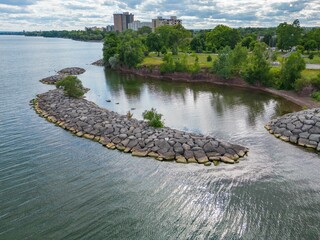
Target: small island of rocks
61, 74
301, 128
86, 119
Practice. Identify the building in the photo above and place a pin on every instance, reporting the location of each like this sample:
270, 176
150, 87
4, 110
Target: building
94, 28
122, 20
109, 28
159, 21
136, 25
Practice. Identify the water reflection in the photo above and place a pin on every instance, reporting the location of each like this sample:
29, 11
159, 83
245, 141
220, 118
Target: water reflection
189, 99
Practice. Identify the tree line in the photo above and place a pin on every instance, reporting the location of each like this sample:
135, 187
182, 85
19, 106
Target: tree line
241, 52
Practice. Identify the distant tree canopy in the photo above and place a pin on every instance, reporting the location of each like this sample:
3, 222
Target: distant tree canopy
289, 35
222, 36
90, 35
174, 37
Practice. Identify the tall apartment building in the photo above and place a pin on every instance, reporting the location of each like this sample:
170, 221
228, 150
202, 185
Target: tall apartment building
136, 25
159, 21
122, 20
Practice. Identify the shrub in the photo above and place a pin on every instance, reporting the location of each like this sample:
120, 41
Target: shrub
129, 115
222, 66
153, 118
275, 77
316, 82
209, 58
168, 66
258, 69
195, 68
174, 50
164, 50
316, 95
114, 61
311, 56
72, 86
301, 83
291, 70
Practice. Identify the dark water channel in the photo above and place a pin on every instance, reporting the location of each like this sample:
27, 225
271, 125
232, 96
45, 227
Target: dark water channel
54, 185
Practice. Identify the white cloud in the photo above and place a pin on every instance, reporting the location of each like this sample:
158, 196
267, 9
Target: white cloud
76, 14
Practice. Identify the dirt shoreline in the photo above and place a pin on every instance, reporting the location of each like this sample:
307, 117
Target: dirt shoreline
305, 102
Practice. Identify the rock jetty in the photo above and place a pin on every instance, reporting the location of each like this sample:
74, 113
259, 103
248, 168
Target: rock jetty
115, 131
61, 74
301, 128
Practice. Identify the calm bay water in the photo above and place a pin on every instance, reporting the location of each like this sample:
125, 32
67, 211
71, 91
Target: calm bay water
54, 185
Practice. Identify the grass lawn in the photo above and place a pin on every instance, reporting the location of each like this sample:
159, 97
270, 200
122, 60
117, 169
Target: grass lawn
309, 74
153, 59
315, 60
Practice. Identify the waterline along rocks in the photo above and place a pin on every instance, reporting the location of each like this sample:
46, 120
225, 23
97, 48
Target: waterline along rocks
115, 131
61, 74
301, 128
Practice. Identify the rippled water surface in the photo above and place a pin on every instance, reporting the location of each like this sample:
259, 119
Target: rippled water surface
54, 185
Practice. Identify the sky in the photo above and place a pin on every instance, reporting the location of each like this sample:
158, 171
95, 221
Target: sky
31, 15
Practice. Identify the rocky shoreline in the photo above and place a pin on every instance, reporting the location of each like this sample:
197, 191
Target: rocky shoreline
300, 128
61, 74
115, 131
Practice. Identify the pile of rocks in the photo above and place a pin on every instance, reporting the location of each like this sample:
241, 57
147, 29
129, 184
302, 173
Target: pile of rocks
99, 63
115, 131
72, 71
301, 128
61, 74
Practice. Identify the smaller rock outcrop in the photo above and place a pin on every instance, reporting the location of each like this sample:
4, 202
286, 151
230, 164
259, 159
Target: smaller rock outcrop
61, 74
99, 63
301, 128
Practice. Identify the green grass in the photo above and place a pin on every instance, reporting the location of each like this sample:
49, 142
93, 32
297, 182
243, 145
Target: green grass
315, 60
153, 59
309, 74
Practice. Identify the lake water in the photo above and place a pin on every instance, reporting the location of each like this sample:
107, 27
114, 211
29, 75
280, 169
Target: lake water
54, 185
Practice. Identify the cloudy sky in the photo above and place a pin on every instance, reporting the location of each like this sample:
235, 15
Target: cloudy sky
17, 15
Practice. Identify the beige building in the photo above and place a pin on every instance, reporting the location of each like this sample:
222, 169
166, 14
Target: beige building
122, 20
159, 21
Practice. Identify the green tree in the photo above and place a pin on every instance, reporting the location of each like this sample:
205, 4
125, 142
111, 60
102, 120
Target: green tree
238, 58
198, 43
310, 45
291, 70
72, 86
258, 69
288, 35
168, 65
110, 46
246, 41
131, 52
154, 43
174, 37
222, 36
314, 34
222, 66
144, 30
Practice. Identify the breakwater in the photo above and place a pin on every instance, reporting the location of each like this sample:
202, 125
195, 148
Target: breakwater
115, 131
62, 74
301, 128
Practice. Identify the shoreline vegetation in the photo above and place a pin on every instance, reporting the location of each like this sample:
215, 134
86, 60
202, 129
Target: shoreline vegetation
223, 56
114, 131
302, 101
